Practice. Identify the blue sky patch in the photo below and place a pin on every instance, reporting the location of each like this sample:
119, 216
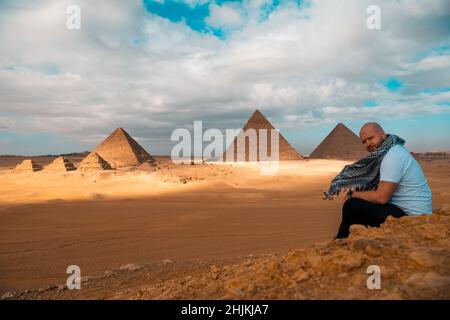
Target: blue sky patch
393, 84
194, 15
370, 104
439, 50
267, 9
175, 11
435, 91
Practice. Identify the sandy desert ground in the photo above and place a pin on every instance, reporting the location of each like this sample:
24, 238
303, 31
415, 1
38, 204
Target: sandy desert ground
177, 220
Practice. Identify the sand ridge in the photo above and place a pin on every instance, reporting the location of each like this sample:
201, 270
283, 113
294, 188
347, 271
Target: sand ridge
49, 185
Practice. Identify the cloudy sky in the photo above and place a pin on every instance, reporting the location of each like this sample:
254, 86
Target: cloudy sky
154, 66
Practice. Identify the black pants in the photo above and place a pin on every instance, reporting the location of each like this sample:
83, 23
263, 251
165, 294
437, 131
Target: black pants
358, 211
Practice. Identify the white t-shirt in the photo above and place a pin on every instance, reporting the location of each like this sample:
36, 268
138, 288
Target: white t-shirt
413, 195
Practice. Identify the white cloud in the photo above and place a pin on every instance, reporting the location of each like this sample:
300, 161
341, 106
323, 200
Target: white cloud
427, 64
229, 15
126, 67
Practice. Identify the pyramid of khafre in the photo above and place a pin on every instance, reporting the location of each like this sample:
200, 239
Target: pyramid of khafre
61, 164
258, 121
93, 162
28, 165
340, 143
121, 150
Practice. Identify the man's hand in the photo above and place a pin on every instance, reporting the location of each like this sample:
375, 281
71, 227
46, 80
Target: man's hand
382, 195
349, 195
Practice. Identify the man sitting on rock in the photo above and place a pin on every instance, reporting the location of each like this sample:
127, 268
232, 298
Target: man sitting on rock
388, 181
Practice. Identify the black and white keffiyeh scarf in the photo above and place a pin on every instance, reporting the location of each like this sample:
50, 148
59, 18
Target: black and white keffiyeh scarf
364, 174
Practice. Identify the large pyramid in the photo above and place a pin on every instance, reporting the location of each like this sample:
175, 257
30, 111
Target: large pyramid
340, 143
258, 121
121, 150
93, 162
60, 164
28, 165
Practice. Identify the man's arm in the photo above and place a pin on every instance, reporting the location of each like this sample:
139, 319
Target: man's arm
380, 196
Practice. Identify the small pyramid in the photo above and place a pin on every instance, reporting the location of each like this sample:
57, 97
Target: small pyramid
94, 162
61, 164
121, 150
258, 121
28, 165
341, 143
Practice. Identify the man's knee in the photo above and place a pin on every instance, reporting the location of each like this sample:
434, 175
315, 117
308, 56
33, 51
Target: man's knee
352, 206
349, 203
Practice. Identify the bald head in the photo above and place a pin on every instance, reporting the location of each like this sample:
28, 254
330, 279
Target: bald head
371, 126
372, 136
